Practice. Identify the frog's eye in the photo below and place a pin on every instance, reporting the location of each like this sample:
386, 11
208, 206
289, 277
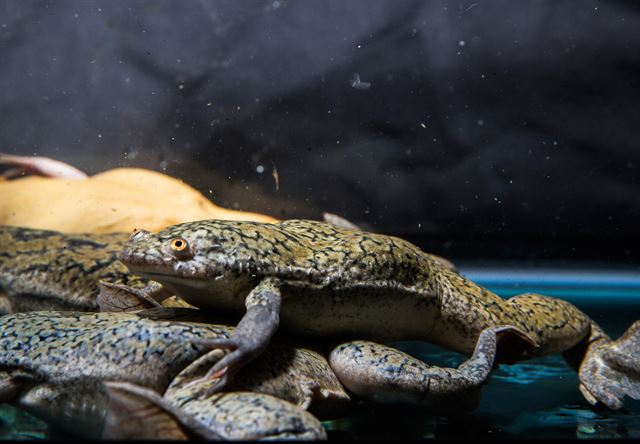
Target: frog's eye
180, 247
178, 244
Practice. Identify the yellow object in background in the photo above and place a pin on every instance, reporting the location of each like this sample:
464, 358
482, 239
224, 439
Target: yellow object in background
121, 199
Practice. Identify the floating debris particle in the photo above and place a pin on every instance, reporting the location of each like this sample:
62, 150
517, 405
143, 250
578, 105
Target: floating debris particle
276, 177
359, 84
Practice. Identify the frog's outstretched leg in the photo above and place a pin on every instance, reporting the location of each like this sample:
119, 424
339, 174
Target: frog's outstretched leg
251, 336
384, 374
608, 370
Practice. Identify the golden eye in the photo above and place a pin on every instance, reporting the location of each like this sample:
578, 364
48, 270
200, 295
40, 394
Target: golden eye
179, 244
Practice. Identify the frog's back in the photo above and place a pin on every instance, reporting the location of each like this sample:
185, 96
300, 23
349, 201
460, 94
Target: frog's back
351, 257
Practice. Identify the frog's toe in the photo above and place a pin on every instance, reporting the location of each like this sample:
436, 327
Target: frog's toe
611, 370
240, 353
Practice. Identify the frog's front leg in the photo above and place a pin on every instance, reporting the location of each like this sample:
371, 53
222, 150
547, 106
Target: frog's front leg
384, 374
252, 333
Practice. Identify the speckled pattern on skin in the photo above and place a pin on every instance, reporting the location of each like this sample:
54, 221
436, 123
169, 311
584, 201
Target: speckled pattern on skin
267, 416
47, 270
338, 282
68, 346
53, 363
353, 271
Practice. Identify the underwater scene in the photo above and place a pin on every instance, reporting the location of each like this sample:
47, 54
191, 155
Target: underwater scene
319, 220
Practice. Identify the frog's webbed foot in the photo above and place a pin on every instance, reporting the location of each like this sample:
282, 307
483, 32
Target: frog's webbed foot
611, 369
384, 374
251, 336
136, 412
120, 298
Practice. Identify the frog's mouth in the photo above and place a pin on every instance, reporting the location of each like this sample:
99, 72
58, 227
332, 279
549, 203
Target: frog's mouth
163, 269
173, 275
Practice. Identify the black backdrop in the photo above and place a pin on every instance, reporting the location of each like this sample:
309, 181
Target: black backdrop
489, 127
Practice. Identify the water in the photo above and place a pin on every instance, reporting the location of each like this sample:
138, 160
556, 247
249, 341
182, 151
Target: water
534, 399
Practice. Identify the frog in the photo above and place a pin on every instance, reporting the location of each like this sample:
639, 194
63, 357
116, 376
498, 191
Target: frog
48, 270
324, 281
73, 368
54, 364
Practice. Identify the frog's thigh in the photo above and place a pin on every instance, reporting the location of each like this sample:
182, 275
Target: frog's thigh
555, 325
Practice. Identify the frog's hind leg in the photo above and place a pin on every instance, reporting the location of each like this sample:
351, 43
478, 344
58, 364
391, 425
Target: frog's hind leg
608, 370
384, 374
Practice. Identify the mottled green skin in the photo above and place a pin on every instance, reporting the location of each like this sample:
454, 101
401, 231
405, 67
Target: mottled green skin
247, 415
346, 283
47, 270
325, 281
53, 363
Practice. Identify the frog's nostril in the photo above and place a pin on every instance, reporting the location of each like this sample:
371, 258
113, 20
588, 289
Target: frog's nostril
138, 234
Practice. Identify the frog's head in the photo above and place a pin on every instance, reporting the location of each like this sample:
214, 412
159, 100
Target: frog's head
193, 251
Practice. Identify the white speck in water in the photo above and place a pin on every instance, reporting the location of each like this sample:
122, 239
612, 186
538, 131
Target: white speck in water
276, 4
555, 142
210, 191
423, 125
209, 103
259, 169
163, 165
181, 86
238, 108
462, 43
480, 122
359, 84
99, 136
419, 226
76, 15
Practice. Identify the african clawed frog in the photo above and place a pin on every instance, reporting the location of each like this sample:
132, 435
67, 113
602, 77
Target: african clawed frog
320, 280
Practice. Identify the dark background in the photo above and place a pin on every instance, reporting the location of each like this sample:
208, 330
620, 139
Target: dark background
491, 128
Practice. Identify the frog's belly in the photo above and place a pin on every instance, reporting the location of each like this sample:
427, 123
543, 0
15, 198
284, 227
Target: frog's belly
378, 314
